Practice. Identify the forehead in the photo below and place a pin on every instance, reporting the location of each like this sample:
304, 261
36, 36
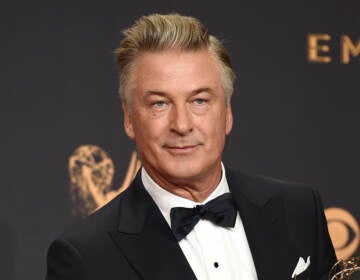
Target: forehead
176, 70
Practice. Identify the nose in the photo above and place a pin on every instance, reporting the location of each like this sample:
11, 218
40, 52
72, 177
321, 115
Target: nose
181, 120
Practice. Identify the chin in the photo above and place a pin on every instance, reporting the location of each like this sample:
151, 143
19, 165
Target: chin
183, 171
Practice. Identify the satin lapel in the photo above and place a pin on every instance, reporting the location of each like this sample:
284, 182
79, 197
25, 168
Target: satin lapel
146, 240
263, 218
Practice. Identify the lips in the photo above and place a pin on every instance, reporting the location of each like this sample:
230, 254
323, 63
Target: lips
181, 150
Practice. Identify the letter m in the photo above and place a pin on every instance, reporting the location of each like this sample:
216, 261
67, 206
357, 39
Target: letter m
348, 48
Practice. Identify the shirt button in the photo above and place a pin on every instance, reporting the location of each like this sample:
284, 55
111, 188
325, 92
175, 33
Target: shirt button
216, 264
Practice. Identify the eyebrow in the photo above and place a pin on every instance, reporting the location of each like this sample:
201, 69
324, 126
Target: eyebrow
161, 93
203, 89
154, 92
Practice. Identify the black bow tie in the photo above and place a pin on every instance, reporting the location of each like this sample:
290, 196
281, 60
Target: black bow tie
221, 211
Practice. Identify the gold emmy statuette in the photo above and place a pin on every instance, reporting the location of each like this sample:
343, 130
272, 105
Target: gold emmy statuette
346, 269
91, 171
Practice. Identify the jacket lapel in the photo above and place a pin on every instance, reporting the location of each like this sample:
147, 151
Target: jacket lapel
146, 240
263, 217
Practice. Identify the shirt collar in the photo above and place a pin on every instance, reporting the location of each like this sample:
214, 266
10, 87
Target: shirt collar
166, 200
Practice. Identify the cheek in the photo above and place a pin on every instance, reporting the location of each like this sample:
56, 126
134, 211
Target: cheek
149, 130
214, 131
218, 122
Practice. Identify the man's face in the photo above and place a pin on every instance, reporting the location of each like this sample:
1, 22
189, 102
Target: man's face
179, 115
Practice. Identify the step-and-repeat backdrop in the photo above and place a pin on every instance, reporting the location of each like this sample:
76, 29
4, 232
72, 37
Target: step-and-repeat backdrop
64, 152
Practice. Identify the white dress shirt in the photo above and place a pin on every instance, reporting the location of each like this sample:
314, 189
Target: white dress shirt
213, 252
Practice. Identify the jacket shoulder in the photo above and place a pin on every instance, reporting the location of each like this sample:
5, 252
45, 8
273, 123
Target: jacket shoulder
96, 225
86, 250
260, 188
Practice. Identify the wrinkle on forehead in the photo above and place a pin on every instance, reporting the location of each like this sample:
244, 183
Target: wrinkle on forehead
170, 70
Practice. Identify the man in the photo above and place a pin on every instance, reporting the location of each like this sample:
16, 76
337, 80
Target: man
186, 216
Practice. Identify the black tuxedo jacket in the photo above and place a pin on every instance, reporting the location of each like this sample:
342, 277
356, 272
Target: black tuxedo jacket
129, 238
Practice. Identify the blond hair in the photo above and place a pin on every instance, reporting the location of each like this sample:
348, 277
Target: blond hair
157, 32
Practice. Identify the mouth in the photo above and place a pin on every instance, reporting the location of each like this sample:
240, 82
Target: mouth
181, 150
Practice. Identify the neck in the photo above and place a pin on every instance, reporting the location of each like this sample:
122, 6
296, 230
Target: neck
195, 189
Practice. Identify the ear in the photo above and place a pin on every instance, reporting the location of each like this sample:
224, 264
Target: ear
128, 124
229, 119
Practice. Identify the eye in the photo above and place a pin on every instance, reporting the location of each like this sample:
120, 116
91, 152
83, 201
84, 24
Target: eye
199, 101
158, 104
